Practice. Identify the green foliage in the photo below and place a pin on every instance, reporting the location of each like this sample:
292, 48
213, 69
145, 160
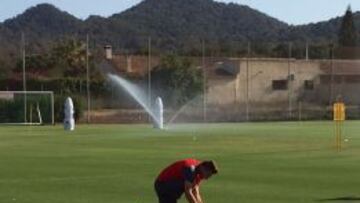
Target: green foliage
319, 52
4, 70
58, 86
348, 33
70, 56
67, 58
11, 111
36, 64
176, 80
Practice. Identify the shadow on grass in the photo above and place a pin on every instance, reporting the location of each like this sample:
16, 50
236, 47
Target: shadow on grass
339, 199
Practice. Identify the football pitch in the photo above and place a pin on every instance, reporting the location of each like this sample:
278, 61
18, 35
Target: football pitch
258, 162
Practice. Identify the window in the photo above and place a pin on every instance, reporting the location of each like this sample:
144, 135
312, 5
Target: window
309, 85
227, 68
280, 84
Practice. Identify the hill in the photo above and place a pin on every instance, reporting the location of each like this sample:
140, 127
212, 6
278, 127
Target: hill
173, 25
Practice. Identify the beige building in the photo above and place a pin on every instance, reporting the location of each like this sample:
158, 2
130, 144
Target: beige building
282, 88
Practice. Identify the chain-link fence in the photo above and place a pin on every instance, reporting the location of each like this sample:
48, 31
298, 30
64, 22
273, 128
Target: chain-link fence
241, 81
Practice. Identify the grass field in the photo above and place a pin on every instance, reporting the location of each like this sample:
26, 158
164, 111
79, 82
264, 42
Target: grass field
259, 162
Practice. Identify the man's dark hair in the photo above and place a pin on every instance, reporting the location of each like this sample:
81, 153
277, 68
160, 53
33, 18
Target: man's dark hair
210, 165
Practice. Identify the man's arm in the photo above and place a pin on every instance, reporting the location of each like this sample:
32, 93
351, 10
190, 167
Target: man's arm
189, 193
196, 192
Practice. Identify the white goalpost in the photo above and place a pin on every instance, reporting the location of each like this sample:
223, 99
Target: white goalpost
27, 107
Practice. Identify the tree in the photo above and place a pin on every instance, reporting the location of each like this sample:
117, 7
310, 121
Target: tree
4, 71
37, 65
71, 56
176, 80
347, 33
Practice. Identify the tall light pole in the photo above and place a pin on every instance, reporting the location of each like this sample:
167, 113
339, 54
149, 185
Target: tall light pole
290, 79
87, 79
307, 50
331, 98
149, 72
248, 82
205, 80
23, 53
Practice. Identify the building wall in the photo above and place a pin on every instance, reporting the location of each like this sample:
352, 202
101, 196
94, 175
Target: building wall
346, 80
251, 90
134, 64
255, 81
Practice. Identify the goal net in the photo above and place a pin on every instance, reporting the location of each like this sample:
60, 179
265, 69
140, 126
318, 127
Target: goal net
26, 107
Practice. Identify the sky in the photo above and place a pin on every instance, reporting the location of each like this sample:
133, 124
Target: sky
294, 12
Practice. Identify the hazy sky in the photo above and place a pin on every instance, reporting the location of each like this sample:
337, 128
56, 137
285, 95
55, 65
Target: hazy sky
290, 11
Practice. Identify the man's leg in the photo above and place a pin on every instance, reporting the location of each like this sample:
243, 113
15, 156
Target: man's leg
167, 200
166, 193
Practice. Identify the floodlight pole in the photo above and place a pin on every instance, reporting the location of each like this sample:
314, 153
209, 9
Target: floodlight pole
205, 80
248, 82
87, 79
149, 73
290, 81
52, 108
331, 98
23, 52
307, 51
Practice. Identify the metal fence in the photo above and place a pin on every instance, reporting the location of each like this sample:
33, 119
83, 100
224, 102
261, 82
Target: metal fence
244, 81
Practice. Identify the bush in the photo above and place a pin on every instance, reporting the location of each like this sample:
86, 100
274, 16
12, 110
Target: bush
58, 86
11, 111
177, 81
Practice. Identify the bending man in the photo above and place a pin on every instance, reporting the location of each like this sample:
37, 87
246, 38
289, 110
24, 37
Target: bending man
183, 177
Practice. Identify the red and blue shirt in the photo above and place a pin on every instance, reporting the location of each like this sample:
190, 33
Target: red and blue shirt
183, 170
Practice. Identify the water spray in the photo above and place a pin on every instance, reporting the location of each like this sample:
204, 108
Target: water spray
140, 97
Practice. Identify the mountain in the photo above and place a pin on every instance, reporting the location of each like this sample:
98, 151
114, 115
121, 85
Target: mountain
41, 24
184, 19
172, 24
44, 20
168, 21
326, 31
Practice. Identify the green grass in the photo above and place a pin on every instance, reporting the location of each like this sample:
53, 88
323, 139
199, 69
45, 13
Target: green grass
259, 162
